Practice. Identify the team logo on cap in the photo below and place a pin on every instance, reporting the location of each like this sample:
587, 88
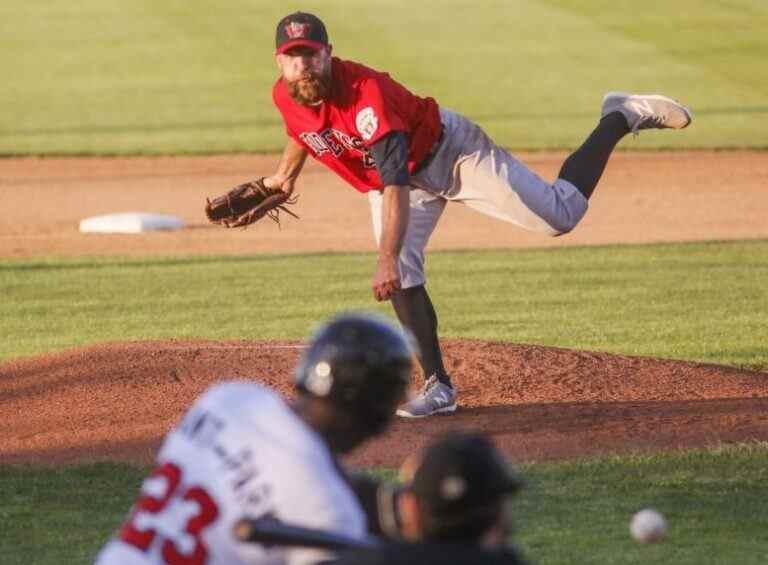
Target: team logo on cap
296, 30
367, 123
320, 380
453, 487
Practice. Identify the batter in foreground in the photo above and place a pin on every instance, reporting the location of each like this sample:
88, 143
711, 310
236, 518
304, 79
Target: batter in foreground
241, 450
411, 157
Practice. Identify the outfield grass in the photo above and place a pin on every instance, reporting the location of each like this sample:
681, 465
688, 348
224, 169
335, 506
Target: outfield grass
695, 301
570, 513
146, 77
713, 501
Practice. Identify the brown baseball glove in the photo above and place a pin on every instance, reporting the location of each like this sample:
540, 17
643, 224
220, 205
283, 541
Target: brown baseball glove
248, 203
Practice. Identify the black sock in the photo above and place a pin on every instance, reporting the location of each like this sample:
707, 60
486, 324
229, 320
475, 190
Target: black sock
584, 167
415, 311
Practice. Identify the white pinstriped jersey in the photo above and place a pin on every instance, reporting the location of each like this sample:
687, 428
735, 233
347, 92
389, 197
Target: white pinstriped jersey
239, 451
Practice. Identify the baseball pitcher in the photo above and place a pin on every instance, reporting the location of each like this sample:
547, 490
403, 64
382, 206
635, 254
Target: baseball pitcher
411, 157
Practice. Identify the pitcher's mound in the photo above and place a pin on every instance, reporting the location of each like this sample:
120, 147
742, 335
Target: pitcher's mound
116, 401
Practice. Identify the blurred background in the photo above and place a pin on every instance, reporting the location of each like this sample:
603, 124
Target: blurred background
173, 76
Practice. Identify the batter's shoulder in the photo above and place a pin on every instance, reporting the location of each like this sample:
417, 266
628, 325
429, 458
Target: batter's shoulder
232, 396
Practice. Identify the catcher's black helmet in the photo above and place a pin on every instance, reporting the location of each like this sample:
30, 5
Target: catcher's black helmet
362, 363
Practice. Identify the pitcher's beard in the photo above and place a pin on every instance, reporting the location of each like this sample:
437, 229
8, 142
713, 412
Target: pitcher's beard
310, 90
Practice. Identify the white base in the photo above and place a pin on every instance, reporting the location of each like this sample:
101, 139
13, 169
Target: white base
130, 222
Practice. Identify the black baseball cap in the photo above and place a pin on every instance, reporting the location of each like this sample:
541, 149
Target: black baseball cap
463, 472
300, 29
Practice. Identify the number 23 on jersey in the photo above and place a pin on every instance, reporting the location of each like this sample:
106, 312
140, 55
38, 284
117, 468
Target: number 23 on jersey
169, 513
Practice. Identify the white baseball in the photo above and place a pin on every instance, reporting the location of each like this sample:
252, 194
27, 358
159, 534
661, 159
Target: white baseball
648, 526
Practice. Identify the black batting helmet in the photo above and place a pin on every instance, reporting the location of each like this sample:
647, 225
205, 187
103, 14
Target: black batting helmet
360, 362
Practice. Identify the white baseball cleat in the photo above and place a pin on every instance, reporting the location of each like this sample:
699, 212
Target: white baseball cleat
434, 398
647, 111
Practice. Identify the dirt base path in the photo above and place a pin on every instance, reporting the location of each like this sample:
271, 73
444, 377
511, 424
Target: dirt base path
116, 401
643, 197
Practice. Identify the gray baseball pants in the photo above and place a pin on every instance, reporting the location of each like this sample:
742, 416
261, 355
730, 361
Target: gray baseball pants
468, 167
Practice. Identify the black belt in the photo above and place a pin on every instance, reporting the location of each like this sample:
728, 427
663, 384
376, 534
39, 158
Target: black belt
432, 152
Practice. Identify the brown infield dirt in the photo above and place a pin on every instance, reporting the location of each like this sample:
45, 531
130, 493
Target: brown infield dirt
116, 400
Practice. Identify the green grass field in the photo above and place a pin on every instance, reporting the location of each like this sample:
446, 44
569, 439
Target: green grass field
569, 513
172, 77
108, 76
696, 301
689, 301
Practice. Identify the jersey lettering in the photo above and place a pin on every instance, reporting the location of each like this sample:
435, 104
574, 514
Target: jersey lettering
328, 141
315, 143
329, 136
177, 516
201, 427
357, 144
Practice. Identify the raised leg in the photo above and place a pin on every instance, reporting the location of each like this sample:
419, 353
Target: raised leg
621, 113
584, 167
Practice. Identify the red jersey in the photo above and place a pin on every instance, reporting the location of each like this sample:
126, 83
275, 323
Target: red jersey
365, 105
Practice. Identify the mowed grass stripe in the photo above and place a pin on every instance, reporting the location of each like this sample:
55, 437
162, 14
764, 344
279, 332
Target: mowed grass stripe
174, 77
724, 37
708, 59
569, 512
696, 301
